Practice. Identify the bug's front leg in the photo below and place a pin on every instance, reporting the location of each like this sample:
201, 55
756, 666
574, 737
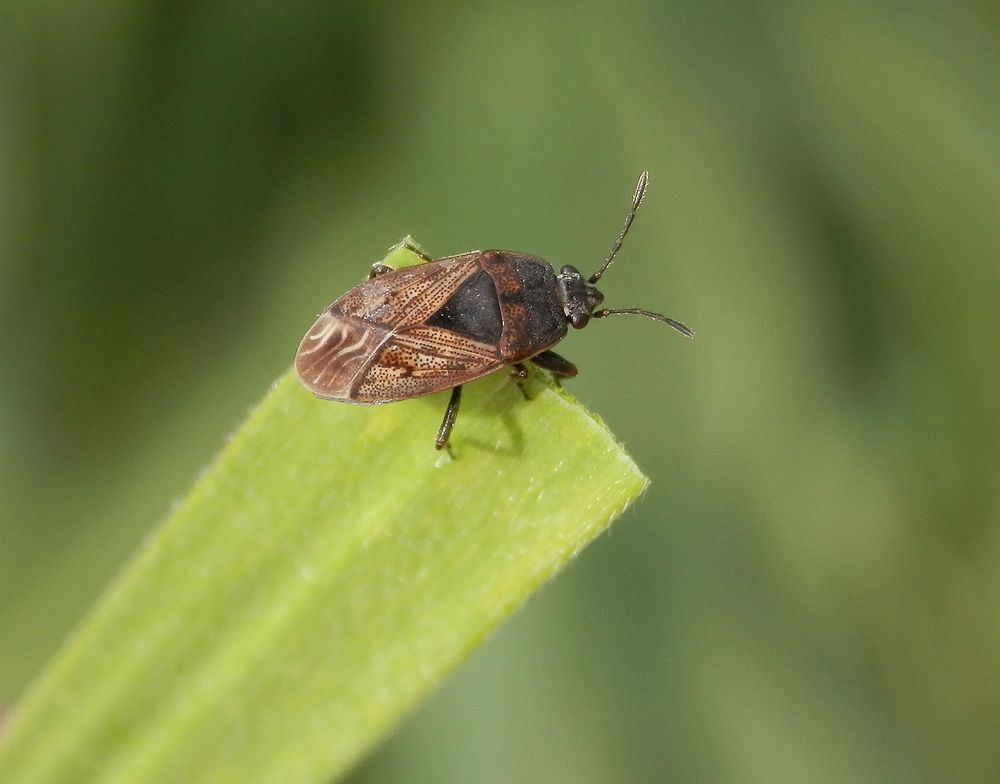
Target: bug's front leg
448, 422
558, 366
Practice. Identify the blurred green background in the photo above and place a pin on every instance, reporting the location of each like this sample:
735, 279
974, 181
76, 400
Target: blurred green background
811, 589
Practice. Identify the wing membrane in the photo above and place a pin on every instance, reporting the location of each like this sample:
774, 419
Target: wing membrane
334, 352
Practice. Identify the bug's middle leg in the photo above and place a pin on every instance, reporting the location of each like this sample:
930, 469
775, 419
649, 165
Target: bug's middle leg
558, 366
448, 422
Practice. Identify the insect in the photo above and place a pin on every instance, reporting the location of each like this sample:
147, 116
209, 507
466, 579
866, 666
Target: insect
434, 326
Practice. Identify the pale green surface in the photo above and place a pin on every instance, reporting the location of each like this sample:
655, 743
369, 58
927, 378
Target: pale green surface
322, 575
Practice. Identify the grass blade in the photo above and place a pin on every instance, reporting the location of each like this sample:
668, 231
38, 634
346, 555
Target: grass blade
321, 576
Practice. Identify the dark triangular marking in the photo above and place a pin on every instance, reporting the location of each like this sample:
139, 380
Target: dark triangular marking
473, 310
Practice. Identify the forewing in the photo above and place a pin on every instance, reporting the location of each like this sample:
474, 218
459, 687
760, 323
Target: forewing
373, 344
408, 296
421, 360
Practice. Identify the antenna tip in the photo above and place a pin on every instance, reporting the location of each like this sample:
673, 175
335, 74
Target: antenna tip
640, 189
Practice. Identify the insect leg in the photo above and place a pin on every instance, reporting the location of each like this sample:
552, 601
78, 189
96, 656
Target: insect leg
449, 418
555, 364
520, 374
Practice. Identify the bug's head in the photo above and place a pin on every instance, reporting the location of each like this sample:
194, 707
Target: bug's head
580, 297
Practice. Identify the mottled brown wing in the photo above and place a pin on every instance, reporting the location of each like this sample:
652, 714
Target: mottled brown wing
334, 352
408, 296
372, 345
422, 360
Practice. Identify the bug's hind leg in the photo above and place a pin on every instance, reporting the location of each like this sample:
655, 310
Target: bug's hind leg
559, 367
448, 422
378, 268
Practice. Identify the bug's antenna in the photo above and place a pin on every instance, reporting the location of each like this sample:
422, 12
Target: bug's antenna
640, 193
686, 331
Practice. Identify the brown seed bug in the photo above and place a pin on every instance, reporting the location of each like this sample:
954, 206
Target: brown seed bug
434, 326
